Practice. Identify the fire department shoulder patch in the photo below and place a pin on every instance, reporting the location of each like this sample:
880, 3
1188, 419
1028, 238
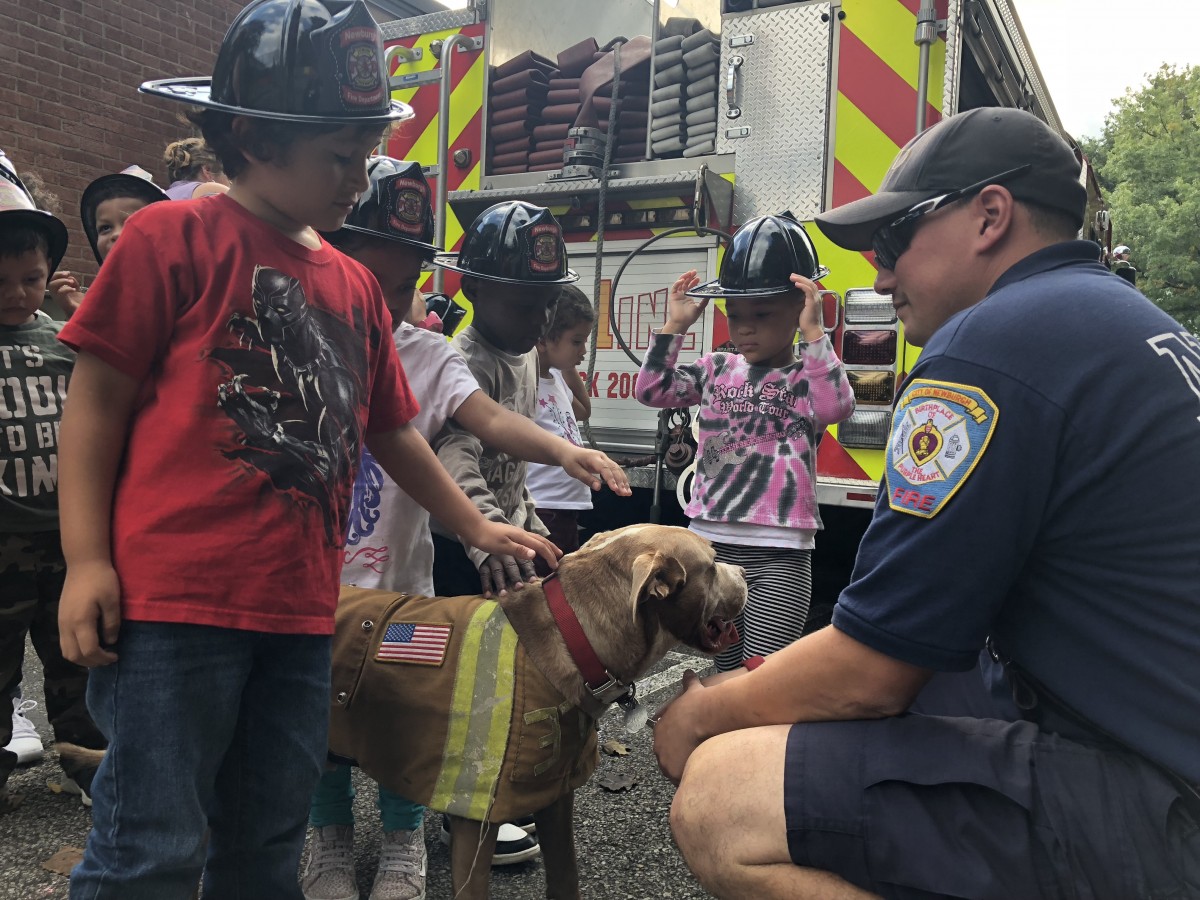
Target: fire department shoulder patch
939, 433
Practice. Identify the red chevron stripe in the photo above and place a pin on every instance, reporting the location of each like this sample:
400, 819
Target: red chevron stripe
914, 6
846, 188
834, 462
878, 91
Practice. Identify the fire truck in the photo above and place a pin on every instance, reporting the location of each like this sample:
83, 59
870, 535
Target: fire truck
811, 101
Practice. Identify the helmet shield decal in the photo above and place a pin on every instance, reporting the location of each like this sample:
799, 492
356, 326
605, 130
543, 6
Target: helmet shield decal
407, 207
545, 251
357, 50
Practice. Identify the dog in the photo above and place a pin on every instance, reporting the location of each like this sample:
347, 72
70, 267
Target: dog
487, 710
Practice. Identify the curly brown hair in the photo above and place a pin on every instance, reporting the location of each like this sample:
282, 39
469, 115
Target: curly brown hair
186, 159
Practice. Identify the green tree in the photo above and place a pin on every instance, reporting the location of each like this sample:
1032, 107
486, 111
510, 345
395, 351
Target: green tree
1148, 163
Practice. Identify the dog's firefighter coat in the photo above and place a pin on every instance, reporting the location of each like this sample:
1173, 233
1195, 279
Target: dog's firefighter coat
439, 702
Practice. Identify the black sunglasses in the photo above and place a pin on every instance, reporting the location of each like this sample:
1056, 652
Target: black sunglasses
890, 241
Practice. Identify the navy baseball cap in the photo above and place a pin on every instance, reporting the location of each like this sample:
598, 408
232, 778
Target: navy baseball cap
959, 151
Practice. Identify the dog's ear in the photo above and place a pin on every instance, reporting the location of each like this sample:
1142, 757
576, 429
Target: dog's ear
655, 575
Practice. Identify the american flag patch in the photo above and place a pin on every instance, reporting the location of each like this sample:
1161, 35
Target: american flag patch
414, 642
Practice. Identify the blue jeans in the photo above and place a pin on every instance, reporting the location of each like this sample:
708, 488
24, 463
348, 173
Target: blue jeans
209, 729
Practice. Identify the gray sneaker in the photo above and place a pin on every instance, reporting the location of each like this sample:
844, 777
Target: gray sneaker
329, 874
401, 874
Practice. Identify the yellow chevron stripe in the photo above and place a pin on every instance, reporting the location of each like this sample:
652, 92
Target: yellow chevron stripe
465, 101
861, 147
846, 267
455, 228
887, 28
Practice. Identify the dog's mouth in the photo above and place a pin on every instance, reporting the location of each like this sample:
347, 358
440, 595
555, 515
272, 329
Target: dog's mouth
719, 634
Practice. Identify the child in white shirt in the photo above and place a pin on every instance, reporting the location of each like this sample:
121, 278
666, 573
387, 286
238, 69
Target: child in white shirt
562, 402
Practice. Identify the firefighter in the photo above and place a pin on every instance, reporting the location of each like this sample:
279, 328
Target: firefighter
1035, 536
1122, 266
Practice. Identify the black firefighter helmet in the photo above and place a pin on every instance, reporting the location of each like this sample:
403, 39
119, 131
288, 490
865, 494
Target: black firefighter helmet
17, 209
514, 243
309, 61
132, 181
761, 258
395, 205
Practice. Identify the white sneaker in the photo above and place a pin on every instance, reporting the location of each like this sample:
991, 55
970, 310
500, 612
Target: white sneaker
329, 874
26, 742
401, 874
513, 844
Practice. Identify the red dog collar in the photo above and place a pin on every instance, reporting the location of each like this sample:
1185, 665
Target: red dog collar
598, 679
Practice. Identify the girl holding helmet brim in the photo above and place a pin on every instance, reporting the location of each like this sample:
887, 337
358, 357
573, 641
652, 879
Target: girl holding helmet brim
230, 372
763, 408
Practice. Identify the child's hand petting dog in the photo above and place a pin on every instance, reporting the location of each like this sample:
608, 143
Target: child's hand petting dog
498, 574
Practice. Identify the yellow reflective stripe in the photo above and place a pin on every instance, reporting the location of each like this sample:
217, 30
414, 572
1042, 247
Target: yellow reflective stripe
497, 734
871, 461
862, 148
460, 708
482, 695
455, 228
846, 267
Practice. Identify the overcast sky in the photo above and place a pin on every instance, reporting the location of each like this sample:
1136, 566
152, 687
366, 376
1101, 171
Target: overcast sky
1090, 51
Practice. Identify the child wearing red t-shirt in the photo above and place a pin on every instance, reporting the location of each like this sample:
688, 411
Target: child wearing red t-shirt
231, 367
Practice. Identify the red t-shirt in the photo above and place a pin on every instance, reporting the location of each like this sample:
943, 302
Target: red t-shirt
263, 364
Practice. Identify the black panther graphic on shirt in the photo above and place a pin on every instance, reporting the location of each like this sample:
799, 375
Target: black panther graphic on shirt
294, 392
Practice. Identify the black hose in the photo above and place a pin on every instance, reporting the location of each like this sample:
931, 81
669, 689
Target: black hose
612, 301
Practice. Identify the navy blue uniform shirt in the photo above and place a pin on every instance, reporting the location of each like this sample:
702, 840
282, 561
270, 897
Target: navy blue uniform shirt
1043, 488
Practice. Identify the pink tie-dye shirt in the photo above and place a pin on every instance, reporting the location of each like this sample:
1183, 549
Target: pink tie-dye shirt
757, 456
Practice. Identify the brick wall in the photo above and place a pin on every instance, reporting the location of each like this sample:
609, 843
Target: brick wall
69, 106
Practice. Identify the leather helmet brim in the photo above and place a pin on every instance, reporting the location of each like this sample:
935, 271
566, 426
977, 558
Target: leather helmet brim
47, 223
712, 289
450, 261
198, 91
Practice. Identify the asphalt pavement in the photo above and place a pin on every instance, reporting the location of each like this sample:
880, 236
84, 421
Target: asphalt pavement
623, 839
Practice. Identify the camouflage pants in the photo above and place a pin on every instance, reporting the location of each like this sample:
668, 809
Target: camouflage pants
31, 579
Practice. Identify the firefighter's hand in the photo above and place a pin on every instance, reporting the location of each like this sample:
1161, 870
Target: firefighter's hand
65, 288
89, 614
812, 318
592, 466
499, 573
682, 311
675, 732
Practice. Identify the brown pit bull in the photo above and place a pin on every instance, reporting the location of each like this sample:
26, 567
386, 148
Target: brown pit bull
484, 710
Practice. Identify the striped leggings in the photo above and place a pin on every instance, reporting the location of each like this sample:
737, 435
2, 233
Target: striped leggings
779, 583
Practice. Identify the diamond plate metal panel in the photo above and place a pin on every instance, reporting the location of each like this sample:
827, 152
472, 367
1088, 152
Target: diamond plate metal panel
783, 93
430, 24
953, 69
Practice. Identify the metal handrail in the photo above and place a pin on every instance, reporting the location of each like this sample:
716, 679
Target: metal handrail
443, 151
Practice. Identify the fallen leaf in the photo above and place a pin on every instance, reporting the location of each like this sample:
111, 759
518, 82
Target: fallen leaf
613, 747
62, 862
616, 783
